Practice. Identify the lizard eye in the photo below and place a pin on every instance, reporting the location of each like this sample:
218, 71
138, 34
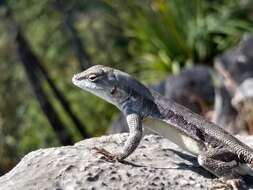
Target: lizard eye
92, 77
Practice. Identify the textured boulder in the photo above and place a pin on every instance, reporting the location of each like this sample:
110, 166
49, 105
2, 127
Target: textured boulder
156, 164
234, 97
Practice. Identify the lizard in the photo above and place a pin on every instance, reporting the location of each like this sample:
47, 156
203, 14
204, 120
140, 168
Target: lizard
216, 150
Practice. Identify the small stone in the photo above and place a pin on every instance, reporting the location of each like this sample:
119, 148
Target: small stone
113, 178
153, 184
128, 174
113, 172
92, 178
184, 182
198, 185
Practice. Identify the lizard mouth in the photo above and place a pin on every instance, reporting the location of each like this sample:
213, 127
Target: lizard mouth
80, 78
76, 77
75, 80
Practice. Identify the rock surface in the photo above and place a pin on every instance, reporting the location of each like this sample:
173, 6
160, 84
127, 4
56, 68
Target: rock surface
156, 164
234, 94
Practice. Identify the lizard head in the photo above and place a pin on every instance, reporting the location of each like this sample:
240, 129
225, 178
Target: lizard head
101, 81
112, 85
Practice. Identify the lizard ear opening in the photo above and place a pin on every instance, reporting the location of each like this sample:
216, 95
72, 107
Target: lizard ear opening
114, 90
111, 76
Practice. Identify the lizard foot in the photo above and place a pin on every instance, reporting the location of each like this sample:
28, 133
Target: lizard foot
108, 156
237, 184
231, 184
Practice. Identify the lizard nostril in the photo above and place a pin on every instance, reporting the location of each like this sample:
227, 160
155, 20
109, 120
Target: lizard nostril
79, 78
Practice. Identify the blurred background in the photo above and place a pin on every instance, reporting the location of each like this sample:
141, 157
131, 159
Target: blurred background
197, 52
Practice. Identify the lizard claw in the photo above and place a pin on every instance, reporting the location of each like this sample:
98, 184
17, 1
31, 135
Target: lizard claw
231, 184
237, 184
108, 156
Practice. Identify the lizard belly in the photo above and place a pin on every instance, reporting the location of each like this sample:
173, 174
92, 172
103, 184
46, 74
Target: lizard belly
175, 135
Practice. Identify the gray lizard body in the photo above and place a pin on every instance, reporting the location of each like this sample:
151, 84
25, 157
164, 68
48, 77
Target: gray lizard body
217, 151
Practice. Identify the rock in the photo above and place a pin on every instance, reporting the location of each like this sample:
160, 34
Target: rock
237, 62
156, 164
234, 97
192, 88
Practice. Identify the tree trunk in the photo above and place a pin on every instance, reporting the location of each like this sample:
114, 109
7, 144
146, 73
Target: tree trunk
77, 45
65, 104
29, 60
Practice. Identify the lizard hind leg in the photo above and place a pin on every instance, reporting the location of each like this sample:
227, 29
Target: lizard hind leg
223, 164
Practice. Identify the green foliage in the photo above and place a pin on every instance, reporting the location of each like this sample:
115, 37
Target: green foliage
168, 34
12, 106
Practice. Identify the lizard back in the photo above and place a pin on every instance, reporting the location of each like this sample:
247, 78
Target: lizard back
198, 127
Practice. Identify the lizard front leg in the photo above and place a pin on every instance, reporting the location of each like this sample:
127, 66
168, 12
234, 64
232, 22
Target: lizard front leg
223, 164
135, 135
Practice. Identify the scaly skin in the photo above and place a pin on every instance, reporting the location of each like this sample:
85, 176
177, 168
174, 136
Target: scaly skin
214, 146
